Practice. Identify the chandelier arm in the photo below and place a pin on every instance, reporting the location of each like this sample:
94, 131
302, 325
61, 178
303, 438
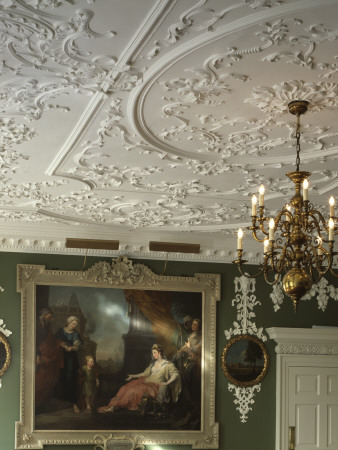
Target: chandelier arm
318, 264
246, 274
283, 212
319, 260
316, 221
332, 272
261, 225
271, 283
254, 233
277, 265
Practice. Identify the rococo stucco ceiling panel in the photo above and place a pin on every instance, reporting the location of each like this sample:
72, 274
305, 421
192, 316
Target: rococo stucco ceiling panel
157, 120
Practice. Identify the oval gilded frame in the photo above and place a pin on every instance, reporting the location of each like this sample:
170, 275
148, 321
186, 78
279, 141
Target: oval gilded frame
5, 354
240, 357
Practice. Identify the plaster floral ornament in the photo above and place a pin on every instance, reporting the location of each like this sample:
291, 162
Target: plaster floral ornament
323, 291
3, 328
244, 397
245, 301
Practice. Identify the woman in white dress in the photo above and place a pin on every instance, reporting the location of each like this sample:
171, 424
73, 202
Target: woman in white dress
153, 382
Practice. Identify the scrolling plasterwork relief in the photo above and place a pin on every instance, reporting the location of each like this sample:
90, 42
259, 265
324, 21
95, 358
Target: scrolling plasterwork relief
322, 291
53, 49
245, 302
202, 18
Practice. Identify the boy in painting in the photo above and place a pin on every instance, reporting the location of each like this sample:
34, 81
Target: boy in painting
89, 381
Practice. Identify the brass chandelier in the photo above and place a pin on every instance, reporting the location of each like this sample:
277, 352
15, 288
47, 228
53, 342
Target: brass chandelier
299, 241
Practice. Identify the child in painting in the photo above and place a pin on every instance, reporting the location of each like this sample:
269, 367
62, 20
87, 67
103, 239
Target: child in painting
90, 381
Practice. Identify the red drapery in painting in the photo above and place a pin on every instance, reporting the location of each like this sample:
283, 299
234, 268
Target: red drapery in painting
156, 306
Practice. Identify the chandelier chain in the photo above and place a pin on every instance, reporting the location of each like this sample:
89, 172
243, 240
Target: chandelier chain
298, 143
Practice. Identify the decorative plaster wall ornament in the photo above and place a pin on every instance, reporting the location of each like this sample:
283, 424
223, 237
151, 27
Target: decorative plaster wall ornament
3, 328
244, 398
322, 291
245, 302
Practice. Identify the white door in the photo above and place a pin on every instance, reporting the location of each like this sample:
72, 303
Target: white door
313, 407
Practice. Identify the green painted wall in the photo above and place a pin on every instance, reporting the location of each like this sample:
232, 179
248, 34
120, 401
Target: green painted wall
258, 433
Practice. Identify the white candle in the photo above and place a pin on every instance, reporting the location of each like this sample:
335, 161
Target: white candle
266, 245
240, 239
254, 205
319, 251
305, 189
271, 230
288, 208
261, 195
331, 201
331, 229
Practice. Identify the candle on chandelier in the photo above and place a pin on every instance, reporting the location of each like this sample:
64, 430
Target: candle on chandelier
288, 208
331, 201
261, 195
331, 229
266, 245
320, 250
271, 230
305, 189
240, 239
254, 205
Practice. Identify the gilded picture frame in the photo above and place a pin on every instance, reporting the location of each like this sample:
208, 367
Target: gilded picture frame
245, 360
5, 354
116, 301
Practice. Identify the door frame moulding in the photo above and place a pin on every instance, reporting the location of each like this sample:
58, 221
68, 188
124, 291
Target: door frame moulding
298, 347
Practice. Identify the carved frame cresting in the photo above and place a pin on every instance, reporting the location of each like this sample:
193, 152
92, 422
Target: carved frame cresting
124, 275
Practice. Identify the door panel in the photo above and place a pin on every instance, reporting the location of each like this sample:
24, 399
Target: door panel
313, 407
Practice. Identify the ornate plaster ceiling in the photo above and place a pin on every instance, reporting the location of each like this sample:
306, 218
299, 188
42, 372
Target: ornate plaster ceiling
157, 120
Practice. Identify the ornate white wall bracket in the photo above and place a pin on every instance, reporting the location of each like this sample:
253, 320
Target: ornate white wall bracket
322, 290
244, 397
245, 302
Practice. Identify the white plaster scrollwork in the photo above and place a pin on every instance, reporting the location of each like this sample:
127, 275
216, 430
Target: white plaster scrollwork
245, 301
322, 291
3, 328
244, 398
201, 18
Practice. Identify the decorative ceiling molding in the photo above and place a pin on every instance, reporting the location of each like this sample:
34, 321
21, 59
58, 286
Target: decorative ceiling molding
160, 117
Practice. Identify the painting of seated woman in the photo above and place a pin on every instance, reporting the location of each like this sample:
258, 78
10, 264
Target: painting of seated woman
142, 378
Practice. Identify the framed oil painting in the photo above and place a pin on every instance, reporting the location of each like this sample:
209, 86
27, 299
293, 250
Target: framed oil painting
245, 360
117, 353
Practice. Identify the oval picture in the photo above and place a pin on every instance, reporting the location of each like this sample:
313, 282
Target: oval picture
245, 360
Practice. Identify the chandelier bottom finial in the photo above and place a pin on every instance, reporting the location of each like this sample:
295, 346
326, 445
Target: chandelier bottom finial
296, 283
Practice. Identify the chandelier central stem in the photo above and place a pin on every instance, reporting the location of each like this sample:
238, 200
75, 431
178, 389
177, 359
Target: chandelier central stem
298, 143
